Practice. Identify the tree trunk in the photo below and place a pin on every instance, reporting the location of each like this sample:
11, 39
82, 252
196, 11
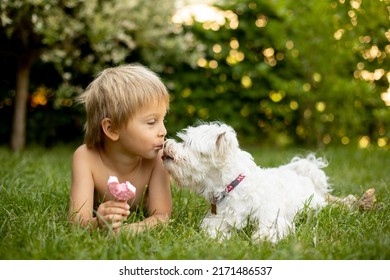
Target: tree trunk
18, 136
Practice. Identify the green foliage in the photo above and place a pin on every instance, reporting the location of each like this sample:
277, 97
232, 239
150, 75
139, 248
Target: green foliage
78, 39
289, 72
34, 193
282, 72
86, 36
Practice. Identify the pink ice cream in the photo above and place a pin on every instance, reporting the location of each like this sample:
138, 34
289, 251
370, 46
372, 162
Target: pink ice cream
121, 191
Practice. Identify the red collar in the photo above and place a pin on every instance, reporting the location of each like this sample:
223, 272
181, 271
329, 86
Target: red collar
235, 183
228, 189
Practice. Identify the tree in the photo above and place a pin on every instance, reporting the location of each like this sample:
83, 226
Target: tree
32, 28
80, 38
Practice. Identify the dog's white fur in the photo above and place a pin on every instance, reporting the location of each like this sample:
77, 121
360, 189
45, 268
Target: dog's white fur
209, 158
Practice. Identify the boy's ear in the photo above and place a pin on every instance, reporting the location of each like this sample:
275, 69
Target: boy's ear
108, 129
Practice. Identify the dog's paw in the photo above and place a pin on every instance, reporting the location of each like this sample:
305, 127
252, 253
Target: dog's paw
216, 227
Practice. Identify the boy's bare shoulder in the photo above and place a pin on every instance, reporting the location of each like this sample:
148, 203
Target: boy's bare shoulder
83, 152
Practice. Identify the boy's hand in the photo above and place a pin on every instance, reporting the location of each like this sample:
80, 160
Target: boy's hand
112, 214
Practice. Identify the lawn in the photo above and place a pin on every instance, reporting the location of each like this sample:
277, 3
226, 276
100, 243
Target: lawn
34, 187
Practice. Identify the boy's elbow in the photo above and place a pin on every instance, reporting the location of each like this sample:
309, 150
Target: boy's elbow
76, 221
163, 217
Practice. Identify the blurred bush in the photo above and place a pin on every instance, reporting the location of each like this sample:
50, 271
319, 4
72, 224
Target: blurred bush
280, 72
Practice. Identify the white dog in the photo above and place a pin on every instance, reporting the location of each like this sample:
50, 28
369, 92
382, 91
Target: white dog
210, 162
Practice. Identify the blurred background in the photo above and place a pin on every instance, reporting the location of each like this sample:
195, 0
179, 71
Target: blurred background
281, 72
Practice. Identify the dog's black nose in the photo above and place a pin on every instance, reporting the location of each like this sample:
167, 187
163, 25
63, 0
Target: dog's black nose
165, 156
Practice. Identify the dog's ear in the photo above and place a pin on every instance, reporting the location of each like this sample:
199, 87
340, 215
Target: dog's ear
214, 138
226, 140
220, 139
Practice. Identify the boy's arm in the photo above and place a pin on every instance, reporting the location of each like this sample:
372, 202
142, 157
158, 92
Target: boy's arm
82, 190
160, 199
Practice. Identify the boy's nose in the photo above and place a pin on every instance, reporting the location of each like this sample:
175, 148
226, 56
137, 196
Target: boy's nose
163, 131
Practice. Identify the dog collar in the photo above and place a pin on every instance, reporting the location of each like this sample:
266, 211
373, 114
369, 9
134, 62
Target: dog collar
228, 189
235, 183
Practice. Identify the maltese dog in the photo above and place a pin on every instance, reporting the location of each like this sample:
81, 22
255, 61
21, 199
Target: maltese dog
209, 161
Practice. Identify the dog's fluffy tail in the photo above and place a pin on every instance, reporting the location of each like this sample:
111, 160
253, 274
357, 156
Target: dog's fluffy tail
311, 167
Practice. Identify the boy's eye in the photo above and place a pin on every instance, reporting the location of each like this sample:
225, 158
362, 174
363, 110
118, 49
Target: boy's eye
151, 122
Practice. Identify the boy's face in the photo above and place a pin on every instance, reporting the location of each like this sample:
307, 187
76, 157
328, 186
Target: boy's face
144, 134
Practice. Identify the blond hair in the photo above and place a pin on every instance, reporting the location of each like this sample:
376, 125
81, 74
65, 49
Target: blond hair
118, 93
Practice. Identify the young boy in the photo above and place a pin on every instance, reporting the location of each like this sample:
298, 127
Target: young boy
124, 137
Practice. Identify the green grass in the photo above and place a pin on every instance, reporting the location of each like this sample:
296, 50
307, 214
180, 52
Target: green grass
34, 187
